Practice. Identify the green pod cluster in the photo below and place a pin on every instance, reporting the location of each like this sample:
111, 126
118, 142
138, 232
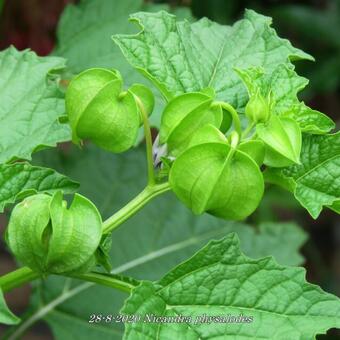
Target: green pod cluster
48, 237
217, 177
100, 110
283, 139
186, 113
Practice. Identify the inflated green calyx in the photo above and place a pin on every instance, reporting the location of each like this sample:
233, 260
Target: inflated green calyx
48, 237
100, 110
146, 97
186, 113
254, 149
216, 177
282, 139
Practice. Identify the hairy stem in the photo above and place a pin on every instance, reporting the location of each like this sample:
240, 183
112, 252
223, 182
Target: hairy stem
148, 141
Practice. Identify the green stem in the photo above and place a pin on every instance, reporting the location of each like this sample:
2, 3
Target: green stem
247, 130
23, 275
17, 278
148, 141
234, 115
133, 206
105, 280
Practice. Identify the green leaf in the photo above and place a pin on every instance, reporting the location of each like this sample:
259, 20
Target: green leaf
316, 181
6, 316
164, 234
86, 44
181, 57
283, 85
22, 179
219, 281
31, 104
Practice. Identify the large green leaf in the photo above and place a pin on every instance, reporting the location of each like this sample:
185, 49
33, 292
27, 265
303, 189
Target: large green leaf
31, 104
219, 282
22, 179
148, 255
6, 316
316, 181
85, 30
163, 234
182, 57
284, 84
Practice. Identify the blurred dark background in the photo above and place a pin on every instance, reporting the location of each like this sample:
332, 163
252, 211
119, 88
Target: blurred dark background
313, 26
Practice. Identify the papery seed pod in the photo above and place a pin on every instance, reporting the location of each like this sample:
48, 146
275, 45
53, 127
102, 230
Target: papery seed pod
99, 109
213, 177
183, 115
282, 139
48, 237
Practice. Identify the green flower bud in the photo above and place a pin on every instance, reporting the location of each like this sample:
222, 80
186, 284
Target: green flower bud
282, 138
48, 237
183, 115
258, 108
212, 176
99, 109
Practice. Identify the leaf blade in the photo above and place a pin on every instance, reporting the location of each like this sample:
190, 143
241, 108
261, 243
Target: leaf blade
167, 51
219, 280
6, 316
21, 179
30, 117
